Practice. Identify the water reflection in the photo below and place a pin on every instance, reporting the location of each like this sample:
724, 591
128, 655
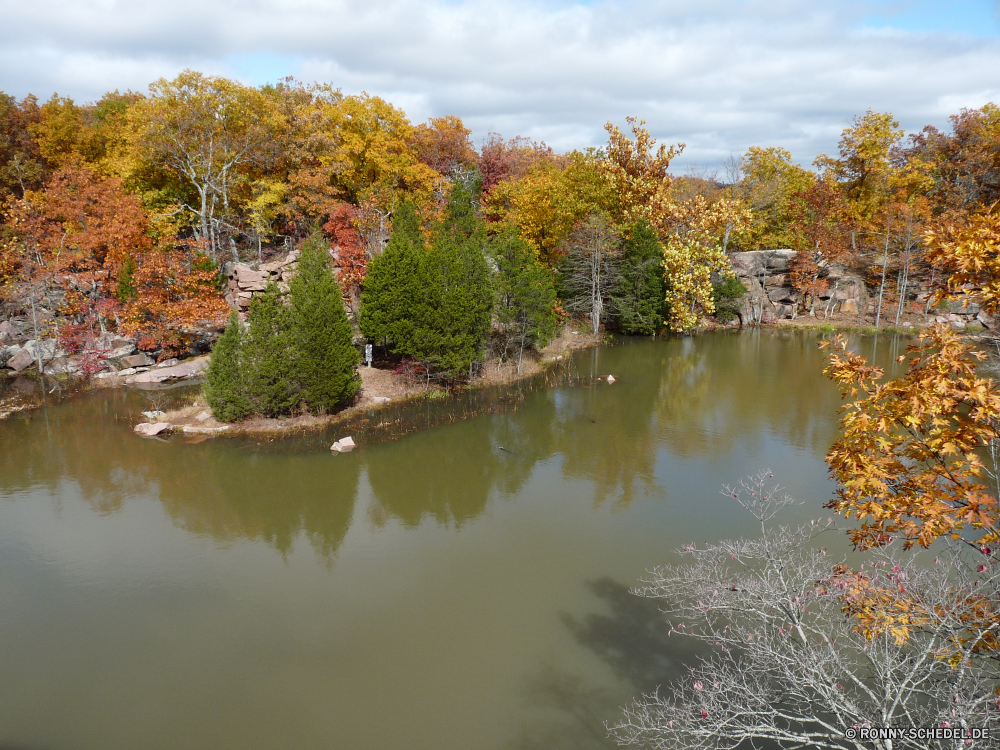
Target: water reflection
683, 397
466, 577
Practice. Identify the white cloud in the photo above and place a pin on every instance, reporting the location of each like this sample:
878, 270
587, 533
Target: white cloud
721, 76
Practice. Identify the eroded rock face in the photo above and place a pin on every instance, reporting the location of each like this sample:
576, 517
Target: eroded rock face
770, 295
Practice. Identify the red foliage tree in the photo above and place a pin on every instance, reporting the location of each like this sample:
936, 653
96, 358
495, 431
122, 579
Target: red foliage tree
509, 160
85, 239
443, 143
348, 247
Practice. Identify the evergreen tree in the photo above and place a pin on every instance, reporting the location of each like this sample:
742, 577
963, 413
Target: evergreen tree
392, 288
269, 358
325, 357
637, 299
525, 297
225, 389
454, 314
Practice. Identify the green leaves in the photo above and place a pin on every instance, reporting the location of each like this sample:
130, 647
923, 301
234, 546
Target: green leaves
324, 355
297, 356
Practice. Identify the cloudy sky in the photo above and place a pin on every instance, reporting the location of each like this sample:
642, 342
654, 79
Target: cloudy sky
719, 75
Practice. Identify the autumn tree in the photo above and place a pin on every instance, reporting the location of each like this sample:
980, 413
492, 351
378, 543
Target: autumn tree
968, 255
444, 143
348, 247
768, 183
549, 200
910, 461
964, 165
637, 175
87, 240
694, 248
22, 166
509, 160
377, 161
208, 130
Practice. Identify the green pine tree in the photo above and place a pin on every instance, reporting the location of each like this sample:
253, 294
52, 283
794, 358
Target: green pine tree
225, 389
455, 311
325, 357
392, 288
637, 300
525, 297
269, 358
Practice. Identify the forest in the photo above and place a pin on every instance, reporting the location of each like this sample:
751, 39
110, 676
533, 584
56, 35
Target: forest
127, 214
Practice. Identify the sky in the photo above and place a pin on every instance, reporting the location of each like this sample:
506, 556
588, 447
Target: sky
718, 75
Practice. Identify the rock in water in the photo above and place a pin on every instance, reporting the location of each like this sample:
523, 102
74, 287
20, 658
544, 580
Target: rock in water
611, 378
152, 428
344, 445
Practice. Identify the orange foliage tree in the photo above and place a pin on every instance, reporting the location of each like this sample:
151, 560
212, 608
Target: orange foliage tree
968, 253
910, 461
443, 143
87, 241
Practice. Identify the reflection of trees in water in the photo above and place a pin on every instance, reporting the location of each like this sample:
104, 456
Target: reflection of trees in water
216, 488
271, 497
605, 435
724, 388
446, 475
696, 396
79, 441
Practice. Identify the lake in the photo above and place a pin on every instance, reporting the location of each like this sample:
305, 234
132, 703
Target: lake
459, 581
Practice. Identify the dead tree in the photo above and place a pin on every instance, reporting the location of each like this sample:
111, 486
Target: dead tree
788, 668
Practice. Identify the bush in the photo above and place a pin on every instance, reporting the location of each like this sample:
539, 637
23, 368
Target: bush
725, 296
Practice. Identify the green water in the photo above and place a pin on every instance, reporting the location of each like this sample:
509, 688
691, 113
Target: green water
463, 586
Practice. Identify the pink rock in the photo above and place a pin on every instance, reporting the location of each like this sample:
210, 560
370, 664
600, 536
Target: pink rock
152, 428
20, 360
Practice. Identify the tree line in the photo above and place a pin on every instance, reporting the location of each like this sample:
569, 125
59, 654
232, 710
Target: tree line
118, 214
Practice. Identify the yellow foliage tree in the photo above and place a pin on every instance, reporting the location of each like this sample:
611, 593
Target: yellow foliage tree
548, 202
909, 462
637, 175
694, 248
768, 184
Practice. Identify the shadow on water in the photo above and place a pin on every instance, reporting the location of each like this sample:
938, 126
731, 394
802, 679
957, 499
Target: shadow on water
565, 712
632, 637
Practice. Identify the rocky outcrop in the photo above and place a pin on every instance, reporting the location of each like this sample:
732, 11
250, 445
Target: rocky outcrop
244, 279
770, 296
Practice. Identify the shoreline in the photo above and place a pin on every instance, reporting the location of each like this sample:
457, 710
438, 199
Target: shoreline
377, 384
380, 383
